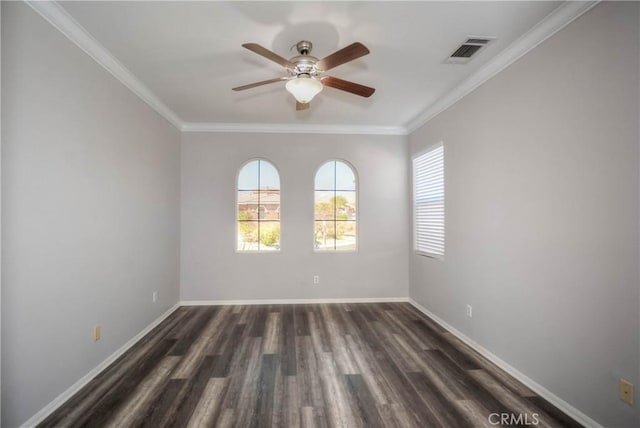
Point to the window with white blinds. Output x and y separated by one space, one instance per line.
428 202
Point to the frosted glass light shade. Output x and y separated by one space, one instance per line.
304 88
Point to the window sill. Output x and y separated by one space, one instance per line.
429 255
258 252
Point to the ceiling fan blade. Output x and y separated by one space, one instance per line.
302 106
264 82
351 52
254 47
345 85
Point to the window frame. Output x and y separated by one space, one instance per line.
357 199
416 250
237 221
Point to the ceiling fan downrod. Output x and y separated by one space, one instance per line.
304 47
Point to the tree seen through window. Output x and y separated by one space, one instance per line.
335 208
258 207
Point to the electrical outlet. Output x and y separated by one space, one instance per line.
626 391
154 298
469 311
97 332
316 279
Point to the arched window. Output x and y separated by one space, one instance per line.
258 207
335 207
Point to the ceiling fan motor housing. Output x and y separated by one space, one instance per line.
305 63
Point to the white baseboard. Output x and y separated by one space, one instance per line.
534 386
531 384
293 301
73 389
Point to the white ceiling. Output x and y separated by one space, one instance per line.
189 55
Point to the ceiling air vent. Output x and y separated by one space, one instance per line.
468 49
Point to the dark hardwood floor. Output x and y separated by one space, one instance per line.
333 365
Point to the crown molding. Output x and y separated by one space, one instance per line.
562 16
284 128
57 16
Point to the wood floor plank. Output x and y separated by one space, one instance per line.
166 403
516 405
401 324
192 330
222 333
365 360
245 312
186 315
193 357
387 415
288 341
209 406
335 332
444 410
446 374
308 373
301 316
422 415
362 400
440 343
278 416
317 327
401 355
343 365
366 330
118 395
273 334
337 406
553 412
395 377
471 388
475 413
82 402
263 412
481 362
144 394
227 419
223 363
244 373
396 415
313 417
258 321
191 393
341 311
290 403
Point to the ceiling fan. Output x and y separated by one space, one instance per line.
305 77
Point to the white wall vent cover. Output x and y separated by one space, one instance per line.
468 49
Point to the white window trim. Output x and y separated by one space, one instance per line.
357 177
238 251
413 199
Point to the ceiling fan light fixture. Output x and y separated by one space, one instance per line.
304 88
304 72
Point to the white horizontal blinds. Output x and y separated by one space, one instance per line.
428 193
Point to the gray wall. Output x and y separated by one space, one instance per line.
542 214
212 270
90 200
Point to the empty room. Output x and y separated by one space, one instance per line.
320 214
